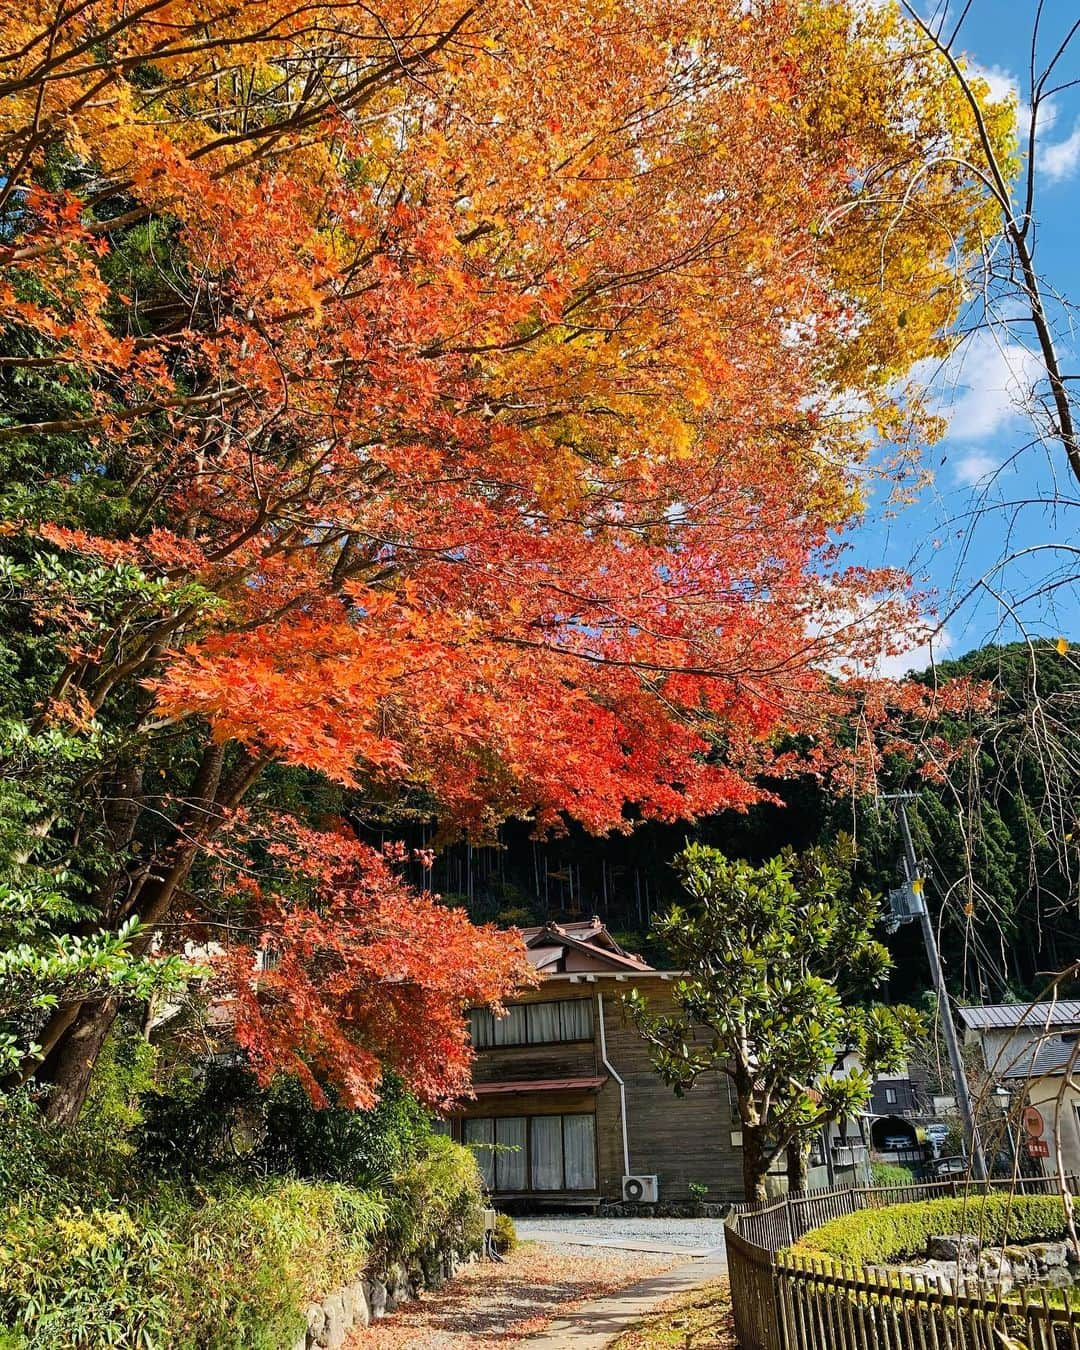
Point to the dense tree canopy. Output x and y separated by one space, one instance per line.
459 399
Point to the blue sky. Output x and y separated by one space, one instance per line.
993 494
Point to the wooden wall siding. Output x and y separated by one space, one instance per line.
567 1059
531 1104
679 1139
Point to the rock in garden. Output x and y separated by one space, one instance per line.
1049 1254
377 1299
358 1296
962 1247
332 1336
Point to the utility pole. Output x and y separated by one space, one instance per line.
916 908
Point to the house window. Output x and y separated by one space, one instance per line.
890 1096
533 1024
535 1153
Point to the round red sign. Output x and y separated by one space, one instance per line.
1033 1122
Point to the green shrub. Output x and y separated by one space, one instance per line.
890 1174
218 1119
91 1159
229 1268
898 1231
24 1164
439 1200
97 1250
506 1238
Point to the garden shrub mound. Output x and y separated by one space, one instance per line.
898 1232
224 1265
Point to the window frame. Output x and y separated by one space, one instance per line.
490 1043
529 1188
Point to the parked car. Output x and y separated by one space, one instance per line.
897 1143
937 1136
944 1169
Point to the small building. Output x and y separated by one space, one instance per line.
1032 1055
566 1103
898 1094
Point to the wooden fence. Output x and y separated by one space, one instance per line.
783 1301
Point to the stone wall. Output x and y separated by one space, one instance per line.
374 1295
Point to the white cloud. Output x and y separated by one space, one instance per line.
1003 84
974 467
1060 161
986 383
917 658
875 636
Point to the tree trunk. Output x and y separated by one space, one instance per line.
69 1065
77 1039
755 1163
798 1160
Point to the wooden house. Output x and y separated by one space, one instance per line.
565 1092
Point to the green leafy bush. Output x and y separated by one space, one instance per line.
91 1159
890 1174
23 1160
506 1238
114 1233
228 1268
218 1119
898 1231
438 1201
219 1266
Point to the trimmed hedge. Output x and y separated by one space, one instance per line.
874 1236
223 1267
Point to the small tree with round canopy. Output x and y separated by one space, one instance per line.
779 961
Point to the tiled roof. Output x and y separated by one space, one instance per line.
591 936
1041 1057
1062 1013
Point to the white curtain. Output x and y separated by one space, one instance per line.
510 1030
546 1141
579 1136
480 1028
510 1166
480 1135
577 1019
543 1023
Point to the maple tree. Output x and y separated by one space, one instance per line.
459 401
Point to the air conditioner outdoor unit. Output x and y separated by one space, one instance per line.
641 1189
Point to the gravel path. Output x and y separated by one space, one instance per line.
681 1237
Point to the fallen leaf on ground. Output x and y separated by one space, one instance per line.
488 1305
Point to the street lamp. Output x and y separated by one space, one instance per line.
1003 1097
